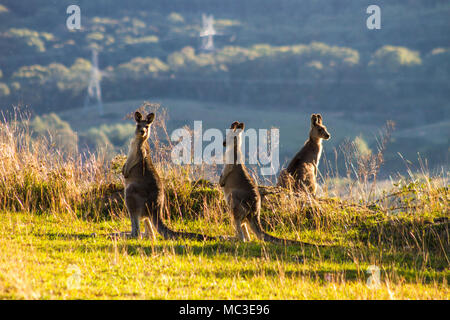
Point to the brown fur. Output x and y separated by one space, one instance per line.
301 173
242 194
144 190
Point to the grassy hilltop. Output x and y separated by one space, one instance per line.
57 210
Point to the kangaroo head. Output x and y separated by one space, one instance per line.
318 130
233 152
236 130
143 125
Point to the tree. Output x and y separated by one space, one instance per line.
56 131
25 41
140 67
394 58
175 18
4 90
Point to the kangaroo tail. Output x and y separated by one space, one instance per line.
265 190
168 233
255 225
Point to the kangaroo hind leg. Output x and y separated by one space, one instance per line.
239 213
239 230
135 208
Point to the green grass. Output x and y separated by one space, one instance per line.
57 210
37 254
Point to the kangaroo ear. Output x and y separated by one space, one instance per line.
137 116
150 117
234 125
313 119
241 126
319 118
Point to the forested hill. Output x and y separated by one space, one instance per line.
315 54
159 39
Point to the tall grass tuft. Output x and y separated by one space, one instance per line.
37 177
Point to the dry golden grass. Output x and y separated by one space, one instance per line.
403 229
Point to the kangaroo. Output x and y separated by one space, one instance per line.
144 190
301 172
241 191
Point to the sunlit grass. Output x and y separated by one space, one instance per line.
37 252
57 211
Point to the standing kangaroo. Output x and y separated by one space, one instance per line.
144 190
241 192
301 172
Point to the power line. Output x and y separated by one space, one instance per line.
94 90
280 81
